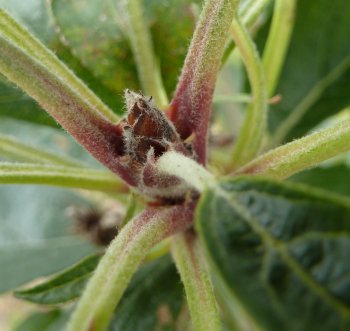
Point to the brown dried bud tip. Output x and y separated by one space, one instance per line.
147 130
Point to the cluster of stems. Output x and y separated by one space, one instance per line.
36 70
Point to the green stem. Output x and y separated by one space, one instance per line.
158 250
251 135
308 101
251 11
178 165
120 262
248 13
38 174
53 91
131 206
277 42
18 151
194 275
301 154
141 44
238 97
13 31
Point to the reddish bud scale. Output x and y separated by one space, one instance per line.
147 134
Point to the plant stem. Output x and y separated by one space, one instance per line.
277 42
83 120
194 275
248 13
16 150
39 174
308 101
238 98
251 135
191 106
301 154
130 212
251 11
141 44
120 262
195 175
13 31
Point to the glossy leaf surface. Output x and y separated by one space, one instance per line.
282 251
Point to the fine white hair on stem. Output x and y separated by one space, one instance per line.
183 167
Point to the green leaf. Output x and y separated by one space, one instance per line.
63 287
36 237
281 251
315 79
95 33
153 300
333 178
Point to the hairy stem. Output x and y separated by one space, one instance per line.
18 151
82 119
249 13
191 107
178 165
120 262
251 135
277 42
39 174
141 43
194 275
301 154
13 31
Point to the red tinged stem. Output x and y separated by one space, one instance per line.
190 108
102 138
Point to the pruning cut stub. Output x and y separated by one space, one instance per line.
147 135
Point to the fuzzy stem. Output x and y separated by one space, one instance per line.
251 135
141 44
301 154
278 42
178 165
13 31
191 107
39 174
53 91
18 151
248 13
194 275
251 11
120 262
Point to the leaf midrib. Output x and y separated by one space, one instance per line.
281 249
